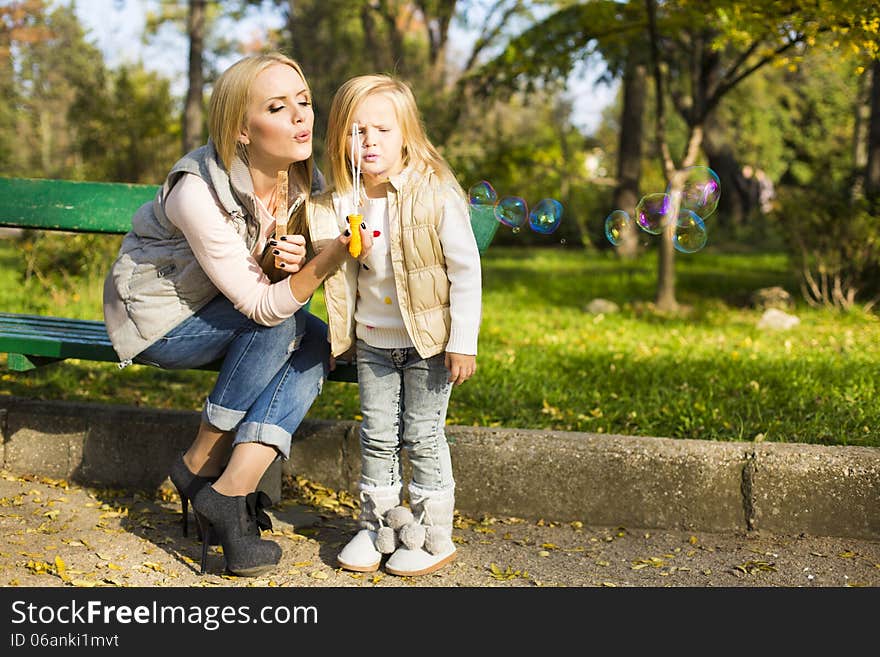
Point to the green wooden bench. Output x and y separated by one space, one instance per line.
31 341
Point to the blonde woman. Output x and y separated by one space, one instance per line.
188 289
410 310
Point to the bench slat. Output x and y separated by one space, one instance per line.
83 207
34 340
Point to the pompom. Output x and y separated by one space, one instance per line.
386 540
413 535
398 517
437 540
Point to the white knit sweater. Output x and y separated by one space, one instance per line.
377 315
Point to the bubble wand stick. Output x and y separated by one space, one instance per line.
354 220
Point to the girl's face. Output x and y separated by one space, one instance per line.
279 119
381 138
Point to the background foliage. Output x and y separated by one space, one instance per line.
781 98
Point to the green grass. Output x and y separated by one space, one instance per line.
544 363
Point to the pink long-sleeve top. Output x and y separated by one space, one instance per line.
220 251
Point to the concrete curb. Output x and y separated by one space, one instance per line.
598 479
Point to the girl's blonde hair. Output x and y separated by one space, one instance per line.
418 150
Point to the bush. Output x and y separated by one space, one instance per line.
834 246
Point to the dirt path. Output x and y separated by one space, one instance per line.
54 534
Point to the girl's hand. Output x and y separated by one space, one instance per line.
461 367
289 251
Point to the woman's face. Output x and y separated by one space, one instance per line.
279 120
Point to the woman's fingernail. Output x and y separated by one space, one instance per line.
283 238
282 265
347 233
273 243
363 225
276 252
346 220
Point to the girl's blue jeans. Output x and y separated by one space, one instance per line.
269 375
404 398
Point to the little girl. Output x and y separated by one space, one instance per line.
409 310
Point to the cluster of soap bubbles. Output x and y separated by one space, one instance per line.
513 211
687 209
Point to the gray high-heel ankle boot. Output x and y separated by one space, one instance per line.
236 522
187 485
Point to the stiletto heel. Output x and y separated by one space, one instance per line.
204 530
184 510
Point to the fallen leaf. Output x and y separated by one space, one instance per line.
61 569
752 567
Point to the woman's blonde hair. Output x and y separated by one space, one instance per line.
227 115
418 150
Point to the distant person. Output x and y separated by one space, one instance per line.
410 311
188 289
766 191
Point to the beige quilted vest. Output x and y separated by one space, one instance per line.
415 203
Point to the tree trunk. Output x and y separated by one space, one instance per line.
872 170
193 111
665 299
629 161
741 193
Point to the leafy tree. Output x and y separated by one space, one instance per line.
699 53
127 128
206 26
46 72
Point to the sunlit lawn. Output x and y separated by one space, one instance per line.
544 362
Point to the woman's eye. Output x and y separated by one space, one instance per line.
275 108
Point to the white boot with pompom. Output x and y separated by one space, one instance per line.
426 541
361 553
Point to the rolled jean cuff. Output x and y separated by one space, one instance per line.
265 434
219 417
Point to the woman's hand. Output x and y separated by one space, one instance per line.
290 252
461 367
366 239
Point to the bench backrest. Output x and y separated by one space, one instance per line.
107 207
85 207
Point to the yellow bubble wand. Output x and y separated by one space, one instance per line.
354 220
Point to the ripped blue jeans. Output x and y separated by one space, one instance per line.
404 398
269 377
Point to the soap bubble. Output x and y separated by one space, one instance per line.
511 211
690 232
482 194
616 226
700 192
654 212
545 216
